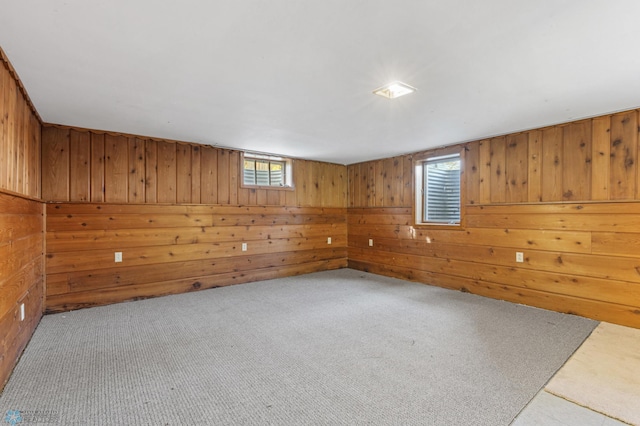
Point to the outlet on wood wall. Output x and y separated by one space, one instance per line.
566 196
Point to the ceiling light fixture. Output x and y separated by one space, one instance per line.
394 90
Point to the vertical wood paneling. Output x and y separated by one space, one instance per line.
33 186
137 170
243 197
97 168
22 219
600 158
379 182
129 169
253 197
576 168
351 171
151 172
300 171
534 168
20 168
4 114
234 175
363 196
261 198
209 177
624 154
498 181
292 196
324 182
516 168
273 197
55 164
484 154
10 160
223 176
183 173
368 195
472 166
395 185
314 176
195 174
166 172
552 164
116 150
407 176
80 165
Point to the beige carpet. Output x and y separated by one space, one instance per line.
604 373
332 348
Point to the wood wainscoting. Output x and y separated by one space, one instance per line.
21 219
21 276
578 258
168 249
566 196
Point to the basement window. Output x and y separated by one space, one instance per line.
266 171
438 190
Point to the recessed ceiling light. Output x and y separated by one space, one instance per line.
394 90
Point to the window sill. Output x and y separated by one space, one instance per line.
277 188
439 226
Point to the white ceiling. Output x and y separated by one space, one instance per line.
295 77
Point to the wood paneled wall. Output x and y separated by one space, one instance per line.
21 219
93 166
21 277
381 183
179 215
566 196
180 248
19 136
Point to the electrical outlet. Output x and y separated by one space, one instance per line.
370 242
244 246
328 240
519 257
118 257
22 312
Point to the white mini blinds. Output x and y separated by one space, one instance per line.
438 197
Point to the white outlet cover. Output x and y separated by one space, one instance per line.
118 257
370 242
328 240
519 257
244 246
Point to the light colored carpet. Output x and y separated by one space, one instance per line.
604 374
338 347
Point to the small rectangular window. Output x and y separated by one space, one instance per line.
263 170
438 190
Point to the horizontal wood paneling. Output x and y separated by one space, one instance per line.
21 275
177 248
600 278
88 165
21 219
566 196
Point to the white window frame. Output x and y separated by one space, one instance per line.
288 170
419 187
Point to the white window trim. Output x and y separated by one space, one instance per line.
288 170
418 183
